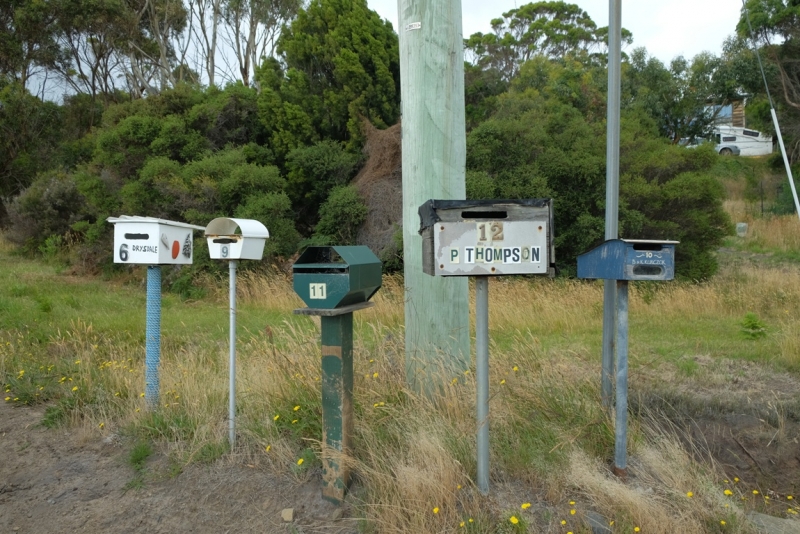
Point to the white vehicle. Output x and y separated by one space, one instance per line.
749 142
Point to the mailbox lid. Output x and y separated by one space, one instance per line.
227 226
152 241
434 210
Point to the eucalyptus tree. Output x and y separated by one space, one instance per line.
549 29
253 27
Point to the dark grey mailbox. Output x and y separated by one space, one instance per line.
629 259
487 237
338 276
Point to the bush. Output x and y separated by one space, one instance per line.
47 208
341 216
314 171
274 211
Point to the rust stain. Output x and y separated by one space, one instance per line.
332 350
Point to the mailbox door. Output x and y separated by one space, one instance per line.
649 262
152 244
321 285
490 247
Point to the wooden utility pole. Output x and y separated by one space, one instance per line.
434 161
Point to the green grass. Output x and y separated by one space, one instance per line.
77 346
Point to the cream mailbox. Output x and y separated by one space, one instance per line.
151 241
225 244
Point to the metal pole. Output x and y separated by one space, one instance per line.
232 366
621 424
612 188
772 111
482 378
785 161
153 336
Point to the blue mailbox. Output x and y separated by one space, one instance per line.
629 259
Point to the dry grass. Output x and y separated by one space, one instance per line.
550 438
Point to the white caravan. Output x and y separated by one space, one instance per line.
749 142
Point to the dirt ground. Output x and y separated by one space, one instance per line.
61 480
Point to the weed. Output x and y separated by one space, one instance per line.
753 327
139 454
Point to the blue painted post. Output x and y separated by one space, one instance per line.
621 426
153 333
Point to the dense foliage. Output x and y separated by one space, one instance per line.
141 134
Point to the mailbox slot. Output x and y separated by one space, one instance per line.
484 214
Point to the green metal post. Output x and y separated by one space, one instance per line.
337 404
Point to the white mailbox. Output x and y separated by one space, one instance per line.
151 241
225 244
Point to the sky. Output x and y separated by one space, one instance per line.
667 29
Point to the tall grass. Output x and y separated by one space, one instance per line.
550 439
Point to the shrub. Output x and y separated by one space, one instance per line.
341 216
47 208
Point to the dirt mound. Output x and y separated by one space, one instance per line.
79 481
380 185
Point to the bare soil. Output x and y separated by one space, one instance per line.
72 480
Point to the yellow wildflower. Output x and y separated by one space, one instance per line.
436 510
525 505
300 461
513 519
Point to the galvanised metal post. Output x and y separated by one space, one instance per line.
612 188
232 364
153 336
482 378
337 403
621 425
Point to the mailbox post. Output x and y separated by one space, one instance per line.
334 282
624 260
481 239
152 242
224 243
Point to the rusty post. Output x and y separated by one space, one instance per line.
337 404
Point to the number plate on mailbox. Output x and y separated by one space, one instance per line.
488 247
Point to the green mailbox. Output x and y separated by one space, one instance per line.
334 282
336 277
